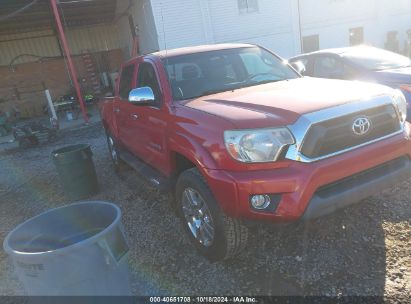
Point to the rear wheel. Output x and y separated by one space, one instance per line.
215 235
114 153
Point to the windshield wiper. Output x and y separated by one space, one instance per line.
246 85
252 84
232 88
268 81
211 92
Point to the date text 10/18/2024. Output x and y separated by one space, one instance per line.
203 300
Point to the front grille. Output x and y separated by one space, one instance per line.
334 135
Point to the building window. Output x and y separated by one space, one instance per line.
356 36
392 43
248 6
311 43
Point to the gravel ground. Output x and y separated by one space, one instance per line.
364 250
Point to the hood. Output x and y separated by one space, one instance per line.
282 103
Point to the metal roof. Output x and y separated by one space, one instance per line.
39 17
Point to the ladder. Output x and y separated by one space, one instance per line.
92 73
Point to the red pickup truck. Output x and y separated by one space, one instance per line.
238 135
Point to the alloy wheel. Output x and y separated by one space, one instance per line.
198 217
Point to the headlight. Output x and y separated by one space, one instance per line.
405 87
401 104
257 146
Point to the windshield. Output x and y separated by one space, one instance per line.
376 59
207 73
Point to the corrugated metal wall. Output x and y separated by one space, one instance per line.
94 39
12 46
101 38
192 22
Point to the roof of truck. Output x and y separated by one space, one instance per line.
199 49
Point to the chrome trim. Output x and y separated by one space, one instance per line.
141 96
361 126
301 127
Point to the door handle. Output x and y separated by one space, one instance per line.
134 116
116 110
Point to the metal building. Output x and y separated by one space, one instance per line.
101 34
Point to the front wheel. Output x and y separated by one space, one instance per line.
215 235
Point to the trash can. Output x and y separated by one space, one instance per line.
3 125
77 250
76 171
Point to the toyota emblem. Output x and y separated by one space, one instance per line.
361 126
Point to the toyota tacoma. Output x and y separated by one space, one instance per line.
238 136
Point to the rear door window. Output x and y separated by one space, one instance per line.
328 67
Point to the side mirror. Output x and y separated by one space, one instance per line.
298 66
141 96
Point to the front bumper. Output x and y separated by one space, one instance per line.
310 190
355 188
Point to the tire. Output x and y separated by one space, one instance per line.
118 164
227 238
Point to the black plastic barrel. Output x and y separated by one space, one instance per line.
76 170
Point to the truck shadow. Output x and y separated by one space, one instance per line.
342 254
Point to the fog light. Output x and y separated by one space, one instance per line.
260 202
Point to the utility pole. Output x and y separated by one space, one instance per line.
300 27
69 60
